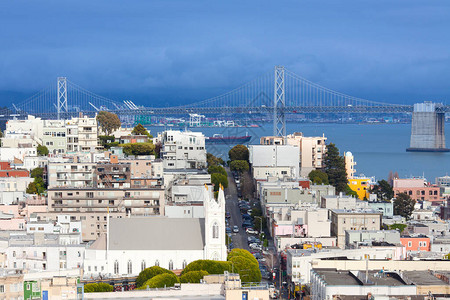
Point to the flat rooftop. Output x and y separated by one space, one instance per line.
423 278
335 277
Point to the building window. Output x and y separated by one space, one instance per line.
409 244
116 267
184 264
130 267
143 265
215 231
2 288
424 243
170 265
157 263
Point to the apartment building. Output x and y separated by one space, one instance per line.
417 189
54 136
362 219
312 149
73 173
182 149
40 252
280 161
82 134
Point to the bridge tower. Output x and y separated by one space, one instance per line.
279 118
428 128
62 96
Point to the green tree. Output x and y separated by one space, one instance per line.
239 152
239 166
399 227
335 168
404 205
160 281
447 257
100 287
32 189
217 169
37 172
217 179
42 150
318 177
108 141
245 264
348 191
193 276
139 129
138 149
38 186
108 122
383 190
212 160
149 273
210 266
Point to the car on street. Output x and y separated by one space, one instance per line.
228 230
252 239
255 246
246 224
251 231
235 229
227 215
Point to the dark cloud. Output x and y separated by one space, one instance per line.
179 51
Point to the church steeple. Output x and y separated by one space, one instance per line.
215 247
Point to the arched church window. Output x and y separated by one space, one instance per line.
171 265
184 264
130 267
215 231
157 263
143 265
116 267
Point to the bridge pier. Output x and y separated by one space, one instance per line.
428 128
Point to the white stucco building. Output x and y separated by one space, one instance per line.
182 149
278 161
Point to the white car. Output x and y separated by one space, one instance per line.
235 229
251 231
255 246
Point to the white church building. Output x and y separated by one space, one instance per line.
135 243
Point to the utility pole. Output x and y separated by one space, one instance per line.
279 105
62 96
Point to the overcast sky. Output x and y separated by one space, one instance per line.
155 52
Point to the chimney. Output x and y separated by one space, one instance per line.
114 159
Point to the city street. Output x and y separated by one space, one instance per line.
231 206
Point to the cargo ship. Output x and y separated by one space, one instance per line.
220 139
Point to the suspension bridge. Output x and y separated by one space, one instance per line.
278 92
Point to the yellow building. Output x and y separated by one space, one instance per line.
361 186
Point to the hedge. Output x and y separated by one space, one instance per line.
97 287
160 281
149 273
210 266
193 276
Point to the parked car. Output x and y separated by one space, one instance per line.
251 231
246 225
235 229
255 246
227 215
249 211
228 230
